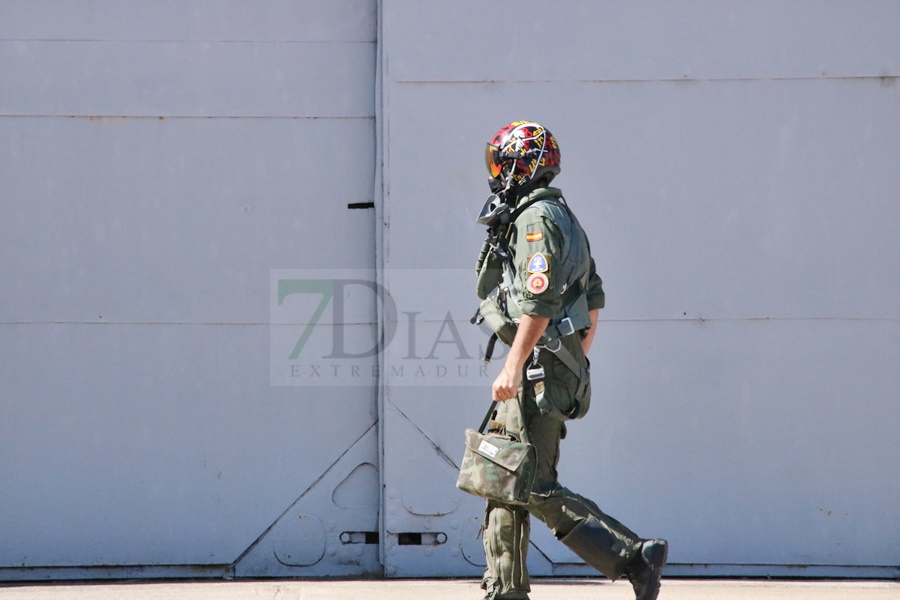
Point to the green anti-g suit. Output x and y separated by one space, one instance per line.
550 274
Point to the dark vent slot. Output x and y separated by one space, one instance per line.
409 539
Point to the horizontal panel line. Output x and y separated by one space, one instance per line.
134 571
753 319
873 77
784 565
705 320
201 323
434 321
195 117
183 41
437 321
195 323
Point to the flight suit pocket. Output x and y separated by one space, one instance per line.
555 399
565 395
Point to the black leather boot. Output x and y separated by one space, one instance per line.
645 569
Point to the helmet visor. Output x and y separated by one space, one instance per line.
492 160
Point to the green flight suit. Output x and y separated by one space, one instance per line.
553 275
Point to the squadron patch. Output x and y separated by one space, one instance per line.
538 264
537 283
534 237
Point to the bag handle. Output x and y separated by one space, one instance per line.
487 417
490 413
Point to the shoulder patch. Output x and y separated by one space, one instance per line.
538 264
537 283
534 237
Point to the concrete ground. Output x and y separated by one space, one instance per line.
452 589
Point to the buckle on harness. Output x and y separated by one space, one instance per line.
565 327
535 372
553 350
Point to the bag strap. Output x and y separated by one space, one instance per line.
487 417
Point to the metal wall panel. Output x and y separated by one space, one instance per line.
137 444
158 162
279 21
203 58
748 442
640 41
733 166
744 199
163 165
116 78
105 207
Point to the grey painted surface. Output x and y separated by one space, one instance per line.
734 166
164 165
157 163
643 41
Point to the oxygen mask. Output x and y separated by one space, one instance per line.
495 212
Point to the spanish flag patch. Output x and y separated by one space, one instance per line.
534 237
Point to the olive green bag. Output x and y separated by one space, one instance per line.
497 467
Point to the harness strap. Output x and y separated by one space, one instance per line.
554 345
489 351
